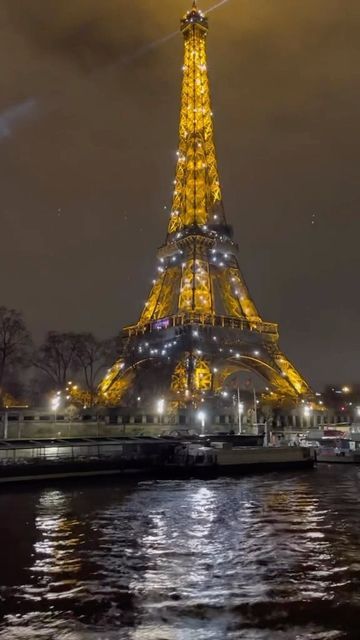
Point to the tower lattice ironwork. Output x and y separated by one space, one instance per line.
199 324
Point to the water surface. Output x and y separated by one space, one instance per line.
266 557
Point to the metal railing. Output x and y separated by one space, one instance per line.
242 324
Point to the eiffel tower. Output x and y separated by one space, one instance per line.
199 324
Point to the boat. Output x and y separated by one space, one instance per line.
60 458
335 450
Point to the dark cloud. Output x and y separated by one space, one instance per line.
88 32
85 182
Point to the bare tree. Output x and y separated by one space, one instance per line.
15 342
92 357
56 357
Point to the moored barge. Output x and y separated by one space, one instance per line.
29 460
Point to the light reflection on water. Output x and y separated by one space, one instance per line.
56 560
273 557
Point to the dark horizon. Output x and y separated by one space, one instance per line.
88 137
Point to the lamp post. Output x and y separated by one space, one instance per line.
55 403
5 424
357 415
255 406
240 406
160 408
202 419
307 415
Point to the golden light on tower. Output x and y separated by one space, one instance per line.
199 293
197 193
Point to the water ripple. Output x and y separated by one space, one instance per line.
273 557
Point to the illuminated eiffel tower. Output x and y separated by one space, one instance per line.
199 324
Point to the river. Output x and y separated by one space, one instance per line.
263 557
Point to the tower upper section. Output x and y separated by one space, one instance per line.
197 199
192 17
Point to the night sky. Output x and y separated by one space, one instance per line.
88 135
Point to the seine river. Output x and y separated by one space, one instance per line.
267 557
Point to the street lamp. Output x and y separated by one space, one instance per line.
202 418
55 403
307 414
240 413
160 406
240 409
